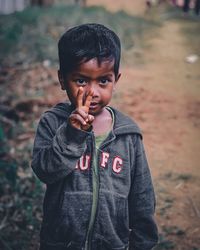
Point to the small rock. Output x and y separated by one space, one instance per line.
46 63
192 58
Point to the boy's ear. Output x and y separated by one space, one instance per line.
117 78
61 80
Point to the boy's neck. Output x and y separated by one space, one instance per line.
102 123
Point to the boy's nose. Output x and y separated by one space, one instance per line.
94 88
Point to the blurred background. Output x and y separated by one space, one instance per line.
159 89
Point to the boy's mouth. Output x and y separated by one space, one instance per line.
93 105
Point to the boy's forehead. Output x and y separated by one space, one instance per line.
96 65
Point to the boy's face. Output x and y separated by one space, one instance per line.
91 75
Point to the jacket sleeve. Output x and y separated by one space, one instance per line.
56 149
143 229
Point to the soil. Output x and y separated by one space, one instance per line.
163 96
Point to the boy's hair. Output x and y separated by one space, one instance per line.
85 42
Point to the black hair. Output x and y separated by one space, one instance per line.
85 42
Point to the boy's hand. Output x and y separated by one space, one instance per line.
80 118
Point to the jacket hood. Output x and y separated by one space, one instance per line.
123 124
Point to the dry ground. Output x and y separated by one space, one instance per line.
163 96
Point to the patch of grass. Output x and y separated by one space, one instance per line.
167 203
177 177
191 31
173 230
32 35
11 28
190 25
164 243
20 214
184 177
20 193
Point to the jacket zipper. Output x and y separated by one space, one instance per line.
95 182
95 187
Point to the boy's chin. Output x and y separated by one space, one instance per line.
95 112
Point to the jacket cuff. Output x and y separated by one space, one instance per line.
71 135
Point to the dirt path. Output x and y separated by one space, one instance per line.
175 150
163 97
132 7
162 94
169 92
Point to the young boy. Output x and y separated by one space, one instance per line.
99 192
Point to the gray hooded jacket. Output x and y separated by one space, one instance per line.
111 209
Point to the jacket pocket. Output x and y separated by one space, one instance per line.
102 244
60 246
112 221
71 221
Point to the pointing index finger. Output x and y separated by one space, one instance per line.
88 100
79 98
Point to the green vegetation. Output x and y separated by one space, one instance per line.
20 193
26 38
164 244
32 35
191 31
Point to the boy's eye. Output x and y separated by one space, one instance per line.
104 81
81 82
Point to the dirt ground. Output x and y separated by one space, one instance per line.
132 7
163 96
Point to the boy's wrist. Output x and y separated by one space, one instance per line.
69 135
76 134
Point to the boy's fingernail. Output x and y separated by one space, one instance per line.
91 117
